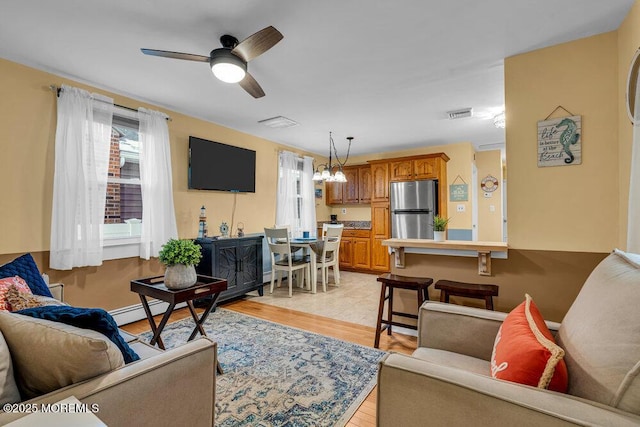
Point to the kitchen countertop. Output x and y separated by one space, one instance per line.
350 225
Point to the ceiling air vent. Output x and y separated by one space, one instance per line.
460 114
278 122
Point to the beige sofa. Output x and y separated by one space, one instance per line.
447 379
165 388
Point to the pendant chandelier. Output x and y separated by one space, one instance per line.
327 173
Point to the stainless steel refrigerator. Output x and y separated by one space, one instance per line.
413 206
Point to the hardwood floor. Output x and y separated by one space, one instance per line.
359 334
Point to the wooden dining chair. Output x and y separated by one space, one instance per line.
329 258
282 258
326 226
295 251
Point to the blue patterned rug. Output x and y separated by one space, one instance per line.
276 375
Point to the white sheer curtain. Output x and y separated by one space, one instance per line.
633 219
158 214
286 197
307 190
83 138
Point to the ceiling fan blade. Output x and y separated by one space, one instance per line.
175 55
251 85
257 44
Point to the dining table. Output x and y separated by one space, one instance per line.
313 247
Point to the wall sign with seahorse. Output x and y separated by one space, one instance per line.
560 141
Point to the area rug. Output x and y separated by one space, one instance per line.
277 375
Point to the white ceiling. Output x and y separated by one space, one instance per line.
384 72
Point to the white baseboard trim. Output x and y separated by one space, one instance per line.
133 313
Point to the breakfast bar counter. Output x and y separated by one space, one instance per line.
483 250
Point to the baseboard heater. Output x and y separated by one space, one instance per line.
133 313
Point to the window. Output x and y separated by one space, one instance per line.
295 201
123 206
298 177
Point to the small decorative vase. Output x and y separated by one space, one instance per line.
180 276
439 236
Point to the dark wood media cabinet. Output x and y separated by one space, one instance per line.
237 260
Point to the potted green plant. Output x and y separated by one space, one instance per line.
439 228
180 256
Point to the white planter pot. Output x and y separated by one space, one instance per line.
180 276
439 236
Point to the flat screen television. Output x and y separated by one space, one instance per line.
222 167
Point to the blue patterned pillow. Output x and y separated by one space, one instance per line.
87 318
26 268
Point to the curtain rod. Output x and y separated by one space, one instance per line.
58 89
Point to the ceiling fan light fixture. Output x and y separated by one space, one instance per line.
226 66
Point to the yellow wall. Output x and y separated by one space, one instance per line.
572 208
490 220
628 42
27 139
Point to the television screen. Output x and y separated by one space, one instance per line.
216 166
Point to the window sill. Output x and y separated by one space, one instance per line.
120 248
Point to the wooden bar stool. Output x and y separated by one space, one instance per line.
469 290
390 282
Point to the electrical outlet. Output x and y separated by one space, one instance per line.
343 210
460 208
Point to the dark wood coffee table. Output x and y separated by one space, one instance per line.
154 287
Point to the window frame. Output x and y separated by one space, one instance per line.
124 246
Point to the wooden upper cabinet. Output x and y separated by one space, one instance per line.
350 188
425 168
380 184
417 167
364 184
401 170
356 190
334 193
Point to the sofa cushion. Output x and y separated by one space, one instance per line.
26 267
453 360
525 352
49 355
20 299
601 335
88 318
6 284
8 389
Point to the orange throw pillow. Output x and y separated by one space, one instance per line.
7 283
525 351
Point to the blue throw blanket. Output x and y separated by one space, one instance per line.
96 319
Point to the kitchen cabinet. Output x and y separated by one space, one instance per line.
380 182
423 167
357 189
428 166
350 194
334 193
238 260
364 184
401 170
379 231
355 249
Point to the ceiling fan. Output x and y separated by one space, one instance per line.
229 63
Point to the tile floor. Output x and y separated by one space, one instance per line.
355 300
